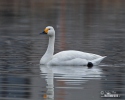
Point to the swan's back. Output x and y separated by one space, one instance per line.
72 54
75 58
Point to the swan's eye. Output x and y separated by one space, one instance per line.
49 29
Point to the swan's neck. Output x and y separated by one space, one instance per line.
50 48
49 52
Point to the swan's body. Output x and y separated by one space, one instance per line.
69 57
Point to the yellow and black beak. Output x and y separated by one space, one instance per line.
45 31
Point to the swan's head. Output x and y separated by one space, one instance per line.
49 30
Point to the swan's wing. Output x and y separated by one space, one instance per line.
72 54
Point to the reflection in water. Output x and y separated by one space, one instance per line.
49 77
72 77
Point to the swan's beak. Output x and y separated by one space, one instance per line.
43 32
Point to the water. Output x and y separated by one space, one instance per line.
95 26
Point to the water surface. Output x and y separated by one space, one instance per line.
95 26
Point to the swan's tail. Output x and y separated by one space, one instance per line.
97 61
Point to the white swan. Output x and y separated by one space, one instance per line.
69 57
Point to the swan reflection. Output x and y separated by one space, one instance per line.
71 76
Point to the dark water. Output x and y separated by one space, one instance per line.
96 26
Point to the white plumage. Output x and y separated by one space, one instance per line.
69 57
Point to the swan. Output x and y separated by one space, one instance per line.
68 57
